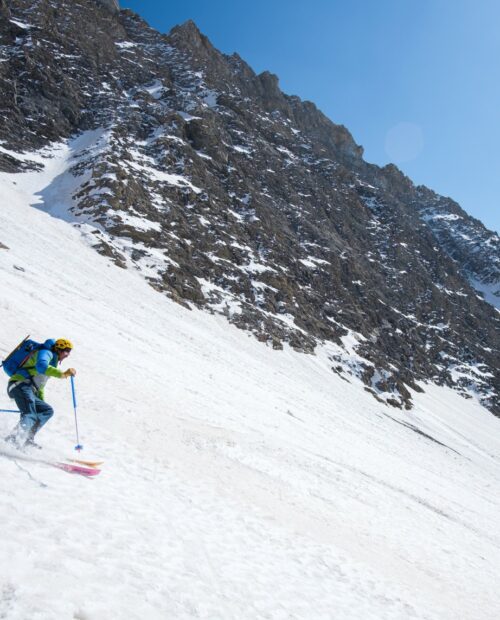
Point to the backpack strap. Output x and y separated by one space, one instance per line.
22 369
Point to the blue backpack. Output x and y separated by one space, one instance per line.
13 362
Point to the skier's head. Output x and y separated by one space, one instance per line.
63 348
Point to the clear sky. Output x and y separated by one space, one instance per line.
417 82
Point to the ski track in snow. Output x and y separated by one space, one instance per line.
239 482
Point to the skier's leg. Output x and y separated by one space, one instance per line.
25 400
44 412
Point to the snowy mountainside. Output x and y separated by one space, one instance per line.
229 195
239 481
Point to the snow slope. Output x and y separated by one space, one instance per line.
240 482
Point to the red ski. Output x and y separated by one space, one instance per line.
77 469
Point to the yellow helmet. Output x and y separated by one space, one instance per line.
63 343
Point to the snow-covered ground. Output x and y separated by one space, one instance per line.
239 482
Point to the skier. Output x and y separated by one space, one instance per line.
27 386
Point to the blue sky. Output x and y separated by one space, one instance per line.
416 82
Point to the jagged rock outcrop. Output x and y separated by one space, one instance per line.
228 194
110 5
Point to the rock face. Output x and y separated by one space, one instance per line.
110 5
229 195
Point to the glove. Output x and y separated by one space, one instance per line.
71 372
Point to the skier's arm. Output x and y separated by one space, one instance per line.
43 366
54 372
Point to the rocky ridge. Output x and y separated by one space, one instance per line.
230 195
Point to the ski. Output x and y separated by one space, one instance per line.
86 463
14 350
76 469
68 467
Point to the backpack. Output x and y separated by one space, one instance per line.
13 362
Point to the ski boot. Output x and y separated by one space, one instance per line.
31 443
13 440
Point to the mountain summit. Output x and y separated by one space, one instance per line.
230 195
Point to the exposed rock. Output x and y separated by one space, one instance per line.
111 5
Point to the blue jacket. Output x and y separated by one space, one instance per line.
41 365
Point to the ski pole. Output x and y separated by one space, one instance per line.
9 411
78 445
